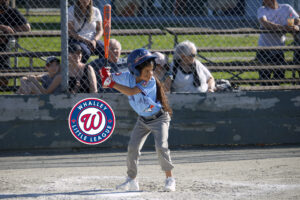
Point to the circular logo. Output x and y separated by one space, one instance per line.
91 121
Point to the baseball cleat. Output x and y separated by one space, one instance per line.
129 185
170 184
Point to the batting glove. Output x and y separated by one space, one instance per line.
108 82
106 79
104 72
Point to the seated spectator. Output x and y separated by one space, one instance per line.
85 28
274 16
113 59
162 70
11 21
82 77
296 59
51 82
189 74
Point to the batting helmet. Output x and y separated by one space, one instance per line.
138 57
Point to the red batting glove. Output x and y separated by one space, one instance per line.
104 72
106 78
108 82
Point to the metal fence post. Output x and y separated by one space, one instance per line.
64 43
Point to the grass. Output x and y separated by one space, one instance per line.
159 42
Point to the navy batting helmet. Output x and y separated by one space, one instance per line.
138 57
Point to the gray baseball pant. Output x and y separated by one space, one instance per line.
160 129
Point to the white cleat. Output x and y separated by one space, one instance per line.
129 185
170 184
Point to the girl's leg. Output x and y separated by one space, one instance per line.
26 86
160 129
136 142
168 173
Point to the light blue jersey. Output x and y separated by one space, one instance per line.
144 103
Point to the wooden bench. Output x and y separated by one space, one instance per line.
236 71
207 31
114 32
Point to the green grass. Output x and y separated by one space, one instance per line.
43 19
159 42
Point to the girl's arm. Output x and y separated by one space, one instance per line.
39 77
76 36
108 82
126 90
99 30
93 80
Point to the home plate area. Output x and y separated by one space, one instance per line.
212 174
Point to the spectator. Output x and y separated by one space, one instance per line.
11 21
129 8
85 28
101 3
189 74
113 59
189 8
162 70
82 77
274 16
51 82
296 60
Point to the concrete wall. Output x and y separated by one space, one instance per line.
273 117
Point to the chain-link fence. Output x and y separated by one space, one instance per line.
238 42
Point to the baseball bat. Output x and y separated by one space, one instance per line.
106 30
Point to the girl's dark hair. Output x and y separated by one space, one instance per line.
162 98
160 92
79 15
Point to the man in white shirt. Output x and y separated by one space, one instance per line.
274 16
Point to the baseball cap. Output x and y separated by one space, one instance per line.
73 48
52 59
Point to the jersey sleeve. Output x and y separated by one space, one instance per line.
122 78
147 87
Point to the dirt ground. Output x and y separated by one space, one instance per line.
201 173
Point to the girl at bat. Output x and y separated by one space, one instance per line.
147 98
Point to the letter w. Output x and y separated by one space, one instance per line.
85 119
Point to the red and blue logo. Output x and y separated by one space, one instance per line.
92 121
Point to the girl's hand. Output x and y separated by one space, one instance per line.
106 79
91 44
